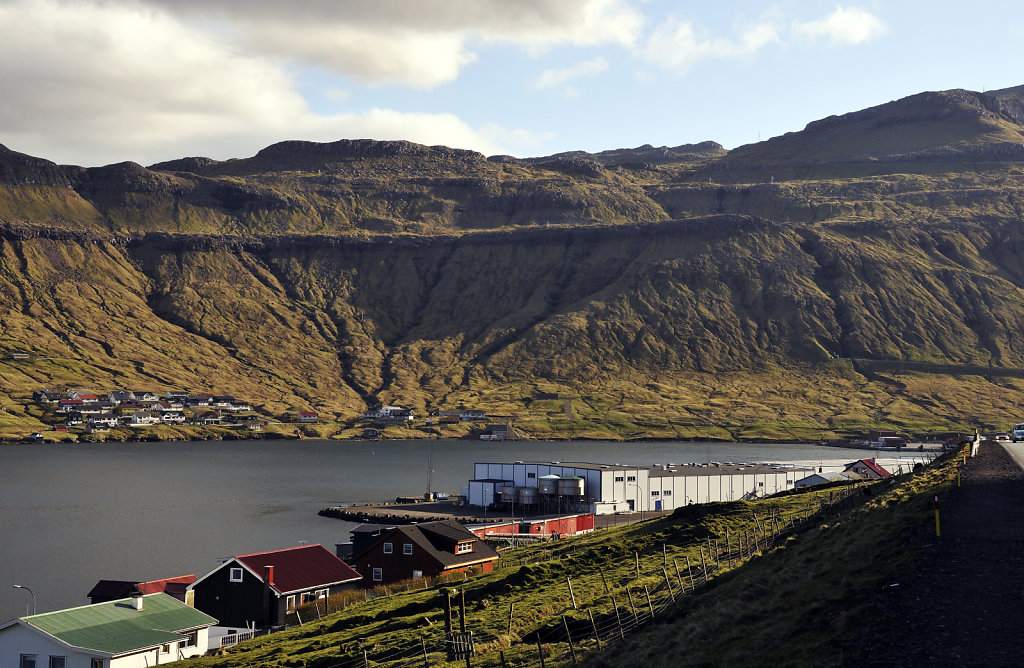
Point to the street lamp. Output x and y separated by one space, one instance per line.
29 591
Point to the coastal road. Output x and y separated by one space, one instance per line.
1016 451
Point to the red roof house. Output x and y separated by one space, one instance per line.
112 590
257 589
422 550
867 468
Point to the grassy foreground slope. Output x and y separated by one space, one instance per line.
811 587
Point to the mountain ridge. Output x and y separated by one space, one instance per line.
671 292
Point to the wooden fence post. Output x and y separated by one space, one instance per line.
593 625
568 636
703 565
636 618
571 595
664 555
618 618
668 583
637 555
604 581
540 650
511 609
462 610
689 571
649 604
423 646
447 611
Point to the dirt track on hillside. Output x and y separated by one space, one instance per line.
962 602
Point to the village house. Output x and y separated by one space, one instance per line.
389 415
111 590
471 415
825 478
256 590
140 630
420 550
143 418
120 397
308 417
867 468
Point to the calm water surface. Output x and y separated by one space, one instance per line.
71 515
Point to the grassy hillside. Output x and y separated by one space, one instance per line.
664 293
798 566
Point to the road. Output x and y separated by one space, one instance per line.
961 603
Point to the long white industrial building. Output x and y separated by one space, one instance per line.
612 488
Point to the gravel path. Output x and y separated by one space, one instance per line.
962 603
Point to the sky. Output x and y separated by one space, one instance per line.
94 82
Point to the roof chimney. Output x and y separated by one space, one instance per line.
136 595
268 575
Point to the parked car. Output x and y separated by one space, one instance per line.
1017 434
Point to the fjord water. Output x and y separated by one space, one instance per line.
71 515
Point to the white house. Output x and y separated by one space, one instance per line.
127 633
394 414
611 488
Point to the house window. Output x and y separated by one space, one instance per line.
531 475
236 575
96 663
631 478
27 661
389 548
618 478
667 492
378 575
289 602
192 640
417 574
407 548
305 598
462 548
58 661
321 593
654 492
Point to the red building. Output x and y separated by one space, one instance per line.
422 550
554 527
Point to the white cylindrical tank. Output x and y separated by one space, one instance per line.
570 486
527 495
509 494
548 484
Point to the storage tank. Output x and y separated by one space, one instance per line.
570 486
509 494
527 495
548 484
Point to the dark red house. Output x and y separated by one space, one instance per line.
112 590
422 550
257 589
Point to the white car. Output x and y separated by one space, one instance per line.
1003 438
1017 433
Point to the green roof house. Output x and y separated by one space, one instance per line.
137 631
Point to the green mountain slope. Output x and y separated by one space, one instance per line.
656 302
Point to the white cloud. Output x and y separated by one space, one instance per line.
556 78
676 45
101 82
843 27
422 43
